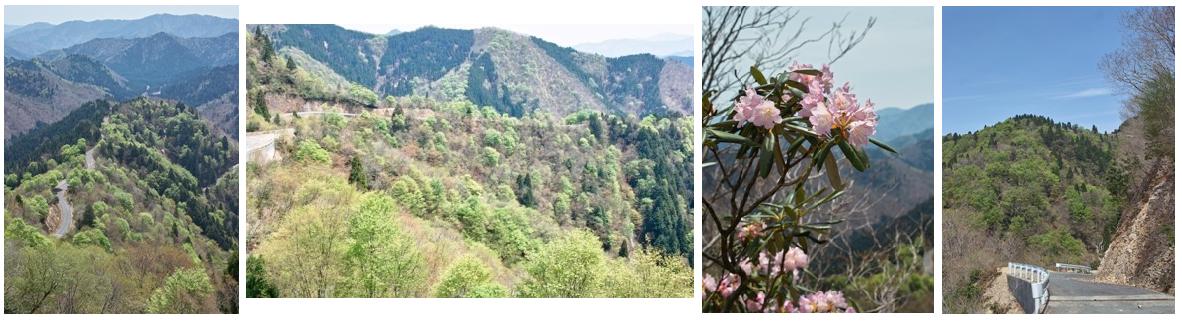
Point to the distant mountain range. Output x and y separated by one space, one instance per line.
896 122
661 46
900 185
199 71
33 39
517 74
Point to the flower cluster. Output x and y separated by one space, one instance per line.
827 109
727 286
824 302
817 302
791 260
751 231
757 110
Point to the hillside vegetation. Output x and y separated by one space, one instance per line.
419 196
155 218
1040 191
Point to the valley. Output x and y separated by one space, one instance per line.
121 166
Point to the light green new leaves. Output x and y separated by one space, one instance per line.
187 290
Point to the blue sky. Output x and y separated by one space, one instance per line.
23 15
1003 61
894 64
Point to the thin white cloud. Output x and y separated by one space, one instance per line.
1091 92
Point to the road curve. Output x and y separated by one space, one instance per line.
67 211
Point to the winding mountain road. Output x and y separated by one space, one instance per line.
63 204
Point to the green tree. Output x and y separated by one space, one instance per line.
257 285
380 261
357 173
310 152
570 266
468 277
186 291
37 206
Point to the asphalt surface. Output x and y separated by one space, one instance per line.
1079 294
67 211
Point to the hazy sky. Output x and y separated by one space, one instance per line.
893 66
1004 61
565 35
23 15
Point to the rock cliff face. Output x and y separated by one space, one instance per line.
1142 251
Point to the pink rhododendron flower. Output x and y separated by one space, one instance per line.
748 103
709 284
747 267
766 115
756 304
823 302
825 81
795 258
751 231
787 307
728 285
841 111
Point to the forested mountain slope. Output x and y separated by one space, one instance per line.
446 188
34 39
1038 191
514 73
201 72
153 196
34 94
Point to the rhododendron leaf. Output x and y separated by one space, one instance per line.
798 196
830 197
796 128
813 72
766 156
729 137
707 106
831 172
851 155
755 73
865 158
797 85
883 146
783 166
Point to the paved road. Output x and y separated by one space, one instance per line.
90 157
63 204
254 141
1079 293
67 211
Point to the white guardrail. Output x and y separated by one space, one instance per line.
1033 298
1074 268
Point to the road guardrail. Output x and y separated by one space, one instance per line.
1028 283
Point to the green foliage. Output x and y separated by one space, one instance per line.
647 273
363 95
37 206
1057 243
490 157
309 151
468 277
570 266
1156 104
357 174
93 237
257 285
18 230
186 291
381 261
